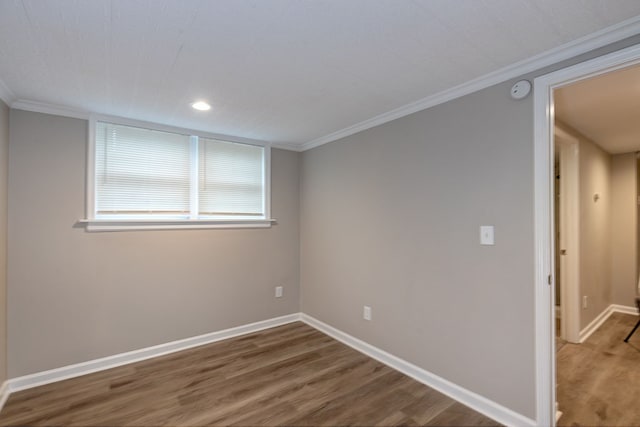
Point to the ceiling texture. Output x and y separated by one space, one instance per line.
295 73
604 108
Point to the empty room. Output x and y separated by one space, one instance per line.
288 212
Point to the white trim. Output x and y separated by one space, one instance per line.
71 371
64 111
90 198
570 233
166 224
544 322
194 165
4 394
6 94
602 317
625 309
593 326
475 401
479 403
174 129
266 177
543 119
45 108
579 46
192 221
287 146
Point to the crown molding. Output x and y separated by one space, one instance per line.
287 146
611 34
6 94
61 110
43 107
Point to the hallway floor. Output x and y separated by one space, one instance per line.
599 380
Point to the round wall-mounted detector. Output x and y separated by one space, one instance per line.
521 89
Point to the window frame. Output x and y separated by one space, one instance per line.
124 224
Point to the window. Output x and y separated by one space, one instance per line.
150 178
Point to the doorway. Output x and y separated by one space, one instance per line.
544 121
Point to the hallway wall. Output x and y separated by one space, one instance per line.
595 220
624 233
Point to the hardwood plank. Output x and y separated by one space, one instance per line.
427 407
289 375
599 380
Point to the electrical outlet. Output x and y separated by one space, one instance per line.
366 313
585 301
279 291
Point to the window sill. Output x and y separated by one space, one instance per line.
169 224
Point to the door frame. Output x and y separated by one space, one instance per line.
569 219
543 216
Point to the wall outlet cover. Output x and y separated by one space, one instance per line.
487 235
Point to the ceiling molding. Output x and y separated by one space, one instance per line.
56 110
614 33
6 94
620 31
287 146
60 110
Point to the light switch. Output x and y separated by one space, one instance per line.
486 235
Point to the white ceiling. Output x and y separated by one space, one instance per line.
605 108
291 72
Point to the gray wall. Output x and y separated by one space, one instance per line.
624 233
77 296
595 226
390 219
4 158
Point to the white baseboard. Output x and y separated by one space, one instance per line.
65 372
595 324
626 309
473 400
4 394
602 317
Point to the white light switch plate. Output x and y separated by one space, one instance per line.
486 235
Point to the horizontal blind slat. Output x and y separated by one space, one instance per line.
141 170
231 178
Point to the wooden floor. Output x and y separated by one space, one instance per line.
290 375
599 380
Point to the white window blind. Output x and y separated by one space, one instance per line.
231 179
142 173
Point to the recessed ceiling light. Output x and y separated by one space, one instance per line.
201 105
